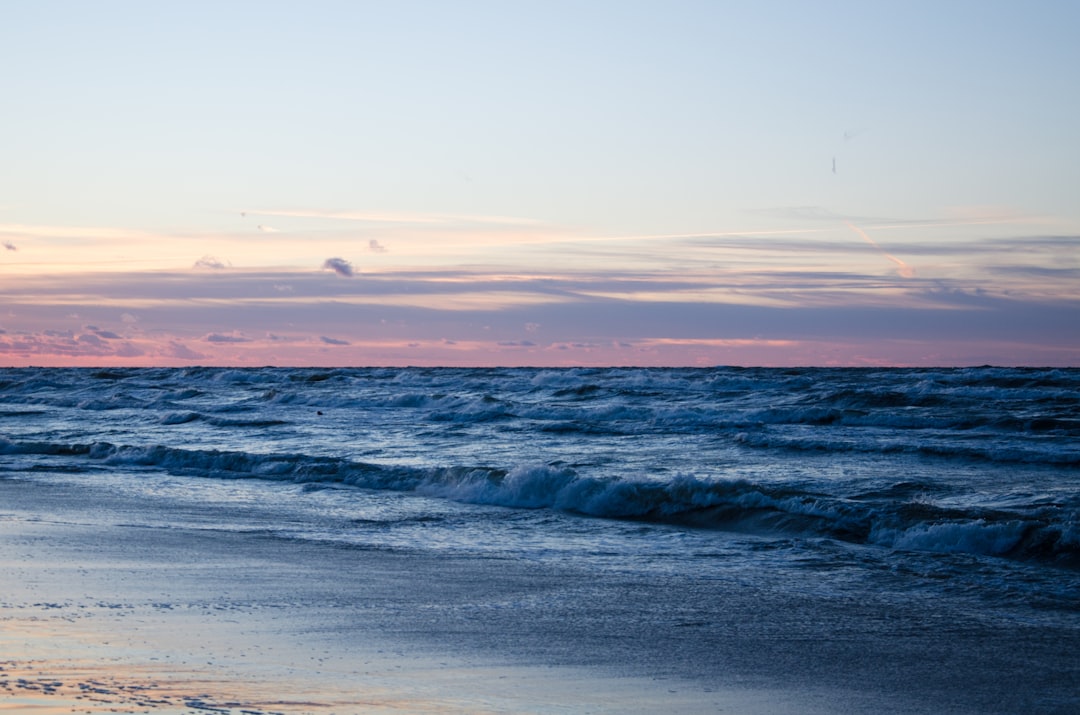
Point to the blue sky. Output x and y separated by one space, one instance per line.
540 183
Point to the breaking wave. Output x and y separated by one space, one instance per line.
903 516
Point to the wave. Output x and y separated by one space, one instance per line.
998 400
900 516
181 418
944 446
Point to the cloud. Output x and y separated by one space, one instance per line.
404 218
56 347
180 351
127 350
1017 295
376 247
905 270
339 266
219 338
77 233
10 246
211 262
818 215
1044 272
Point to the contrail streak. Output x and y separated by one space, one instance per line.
905 270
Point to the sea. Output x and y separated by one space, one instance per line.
956 486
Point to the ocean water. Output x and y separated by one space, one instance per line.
937 486
629 468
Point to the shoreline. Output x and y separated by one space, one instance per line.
108 606
107 617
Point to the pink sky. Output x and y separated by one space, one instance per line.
607 183
823 294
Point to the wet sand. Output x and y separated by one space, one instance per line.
108 606
99 615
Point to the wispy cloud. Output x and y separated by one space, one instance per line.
219 338
51 347
398 217
816 216
10 246
781 299
90 233
905 270
376 247
180 351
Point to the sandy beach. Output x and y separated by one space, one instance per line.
103 614
108 607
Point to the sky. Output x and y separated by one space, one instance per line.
338 183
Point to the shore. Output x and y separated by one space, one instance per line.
103 614
107 606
